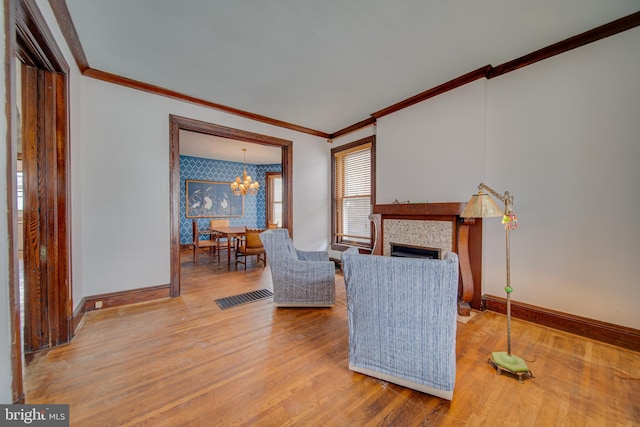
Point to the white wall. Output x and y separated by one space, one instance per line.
563 136
125 184
435 150
354 136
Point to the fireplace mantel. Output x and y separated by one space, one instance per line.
466 241
421 209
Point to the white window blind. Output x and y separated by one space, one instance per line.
353 195
275 210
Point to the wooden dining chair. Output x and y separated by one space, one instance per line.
199 244
249 245
221 242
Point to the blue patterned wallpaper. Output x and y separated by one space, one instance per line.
218 170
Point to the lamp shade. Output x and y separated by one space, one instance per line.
481 205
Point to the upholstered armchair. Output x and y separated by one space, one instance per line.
300 278
402 319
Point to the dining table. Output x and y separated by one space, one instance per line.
230 233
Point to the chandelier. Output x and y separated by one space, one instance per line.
242 186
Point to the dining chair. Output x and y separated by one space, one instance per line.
198 244
249 245
221 242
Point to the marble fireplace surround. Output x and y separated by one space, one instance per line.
424 233
436 225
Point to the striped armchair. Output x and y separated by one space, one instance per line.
300 278
402 319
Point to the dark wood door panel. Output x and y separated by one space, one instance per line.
47 297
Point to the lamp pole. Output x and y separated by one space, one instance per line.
507 199
501 360
508 289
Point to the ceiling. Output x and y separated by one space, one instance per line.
320 64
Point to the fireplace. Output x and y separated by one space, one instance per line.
418 233
434 225
411 251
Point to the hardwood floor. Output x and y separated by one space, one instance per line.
183 361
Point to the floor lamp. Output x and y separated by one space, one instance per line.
481 205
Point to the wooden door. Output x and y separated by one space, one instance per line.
47 304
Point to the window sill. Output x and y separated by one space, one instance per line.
343 247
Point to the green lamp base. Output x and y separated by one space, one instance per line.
503 361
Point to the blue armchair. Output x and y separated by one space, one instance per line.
300 278
402 319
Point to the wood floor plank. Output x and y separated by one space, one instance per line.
183 361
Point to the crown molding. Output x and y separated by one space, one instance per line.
62 15
607 30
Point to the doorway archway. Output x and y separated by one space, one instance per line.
176 124
38 135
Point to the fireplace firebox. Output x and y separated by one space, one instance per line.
411 251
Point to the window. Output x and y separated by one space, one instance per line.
274 198
353 192
20 193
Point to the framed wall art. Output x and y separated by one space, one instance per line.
208 199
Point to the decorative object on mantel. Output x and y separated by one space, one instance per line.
481 205
244 185
397 202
